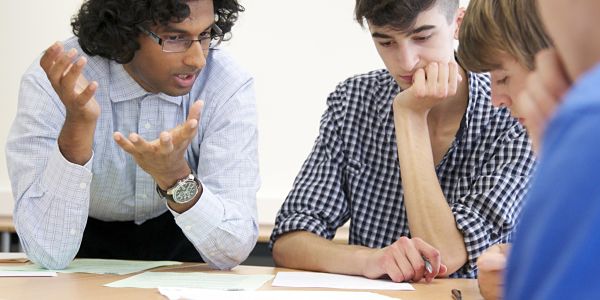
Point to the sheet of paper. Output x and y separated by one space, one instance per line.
336 281
98 266
27 274
18 257
193 280
193 294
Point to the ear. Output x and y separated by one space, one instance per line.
460 15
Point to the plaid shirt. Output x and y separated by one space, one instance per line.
353 171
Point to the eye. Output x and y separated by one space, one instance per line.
422 38
503 80
385 44
174 37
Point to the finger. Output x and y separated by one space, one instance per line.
432 255
491 262
393 270
453 78
419 83
69 79
540 96
166 143
195 110
552 71
87 94
140 144
416 261
124 143
57 71
432 78
532 117
50 55
442 84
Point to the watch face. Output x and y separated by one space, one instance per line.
185 192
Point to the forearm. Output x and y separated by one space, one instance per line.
429 215
76 140
51 214
307 251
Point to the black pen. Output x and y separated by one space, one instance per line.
456 294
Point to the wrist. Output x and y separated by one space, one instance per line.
168 179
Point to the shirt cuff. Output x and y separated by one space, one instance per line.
61 177
198 222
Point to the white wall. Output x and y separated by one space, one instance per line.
297 50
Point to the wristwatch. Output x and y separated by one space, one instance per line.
184 190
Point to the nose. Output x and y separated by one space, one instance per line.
407 58
195 56
499 98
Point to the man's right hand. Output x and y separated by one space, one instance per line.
77 95
404 260
65 75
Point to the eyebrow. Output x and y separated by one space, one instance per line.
169 28
410 32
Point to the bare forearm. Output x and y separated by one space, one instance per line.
307 251
76 140
429 215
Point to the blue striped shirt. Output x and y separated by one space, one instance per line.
53 197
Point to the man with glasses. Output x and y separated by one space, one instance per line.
155 157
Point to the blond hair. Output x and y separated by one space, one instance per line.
491 27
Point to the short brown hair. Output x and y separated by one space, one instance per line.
491 27
400 15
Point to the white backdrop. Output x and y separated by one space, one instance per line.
297 51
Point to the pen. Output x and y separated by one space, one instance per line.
456 294
428 267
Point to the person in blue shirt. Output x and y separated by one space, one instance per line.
137 139
554 255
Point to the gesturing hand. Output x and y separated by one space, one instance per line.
164 158
65 75
404 261
431 85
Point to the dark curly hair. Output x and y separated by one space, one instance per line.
110 28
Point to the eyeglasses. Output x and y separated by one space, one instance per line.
207 40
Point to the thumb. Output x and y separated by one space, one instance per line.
195 110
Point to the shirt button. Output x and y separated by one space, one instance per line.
82 185
148 125
72 232
188 227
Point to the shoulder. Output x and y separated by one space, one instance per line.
222 74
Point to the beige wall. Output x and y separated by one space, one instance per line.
297 54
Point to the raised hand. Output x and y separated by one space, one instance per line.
431 85
544 91
65 75
164 158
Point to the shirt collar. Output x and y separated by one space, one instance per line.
123 87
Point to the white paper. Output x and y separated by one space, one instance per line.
27 274
200 280
13 257
336 281
193 294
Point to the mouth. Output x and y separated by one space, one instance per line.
186 80
406 78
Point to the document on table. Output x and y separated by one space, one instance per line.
152 280
336 281
193 294
97 266
27 274
13 257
